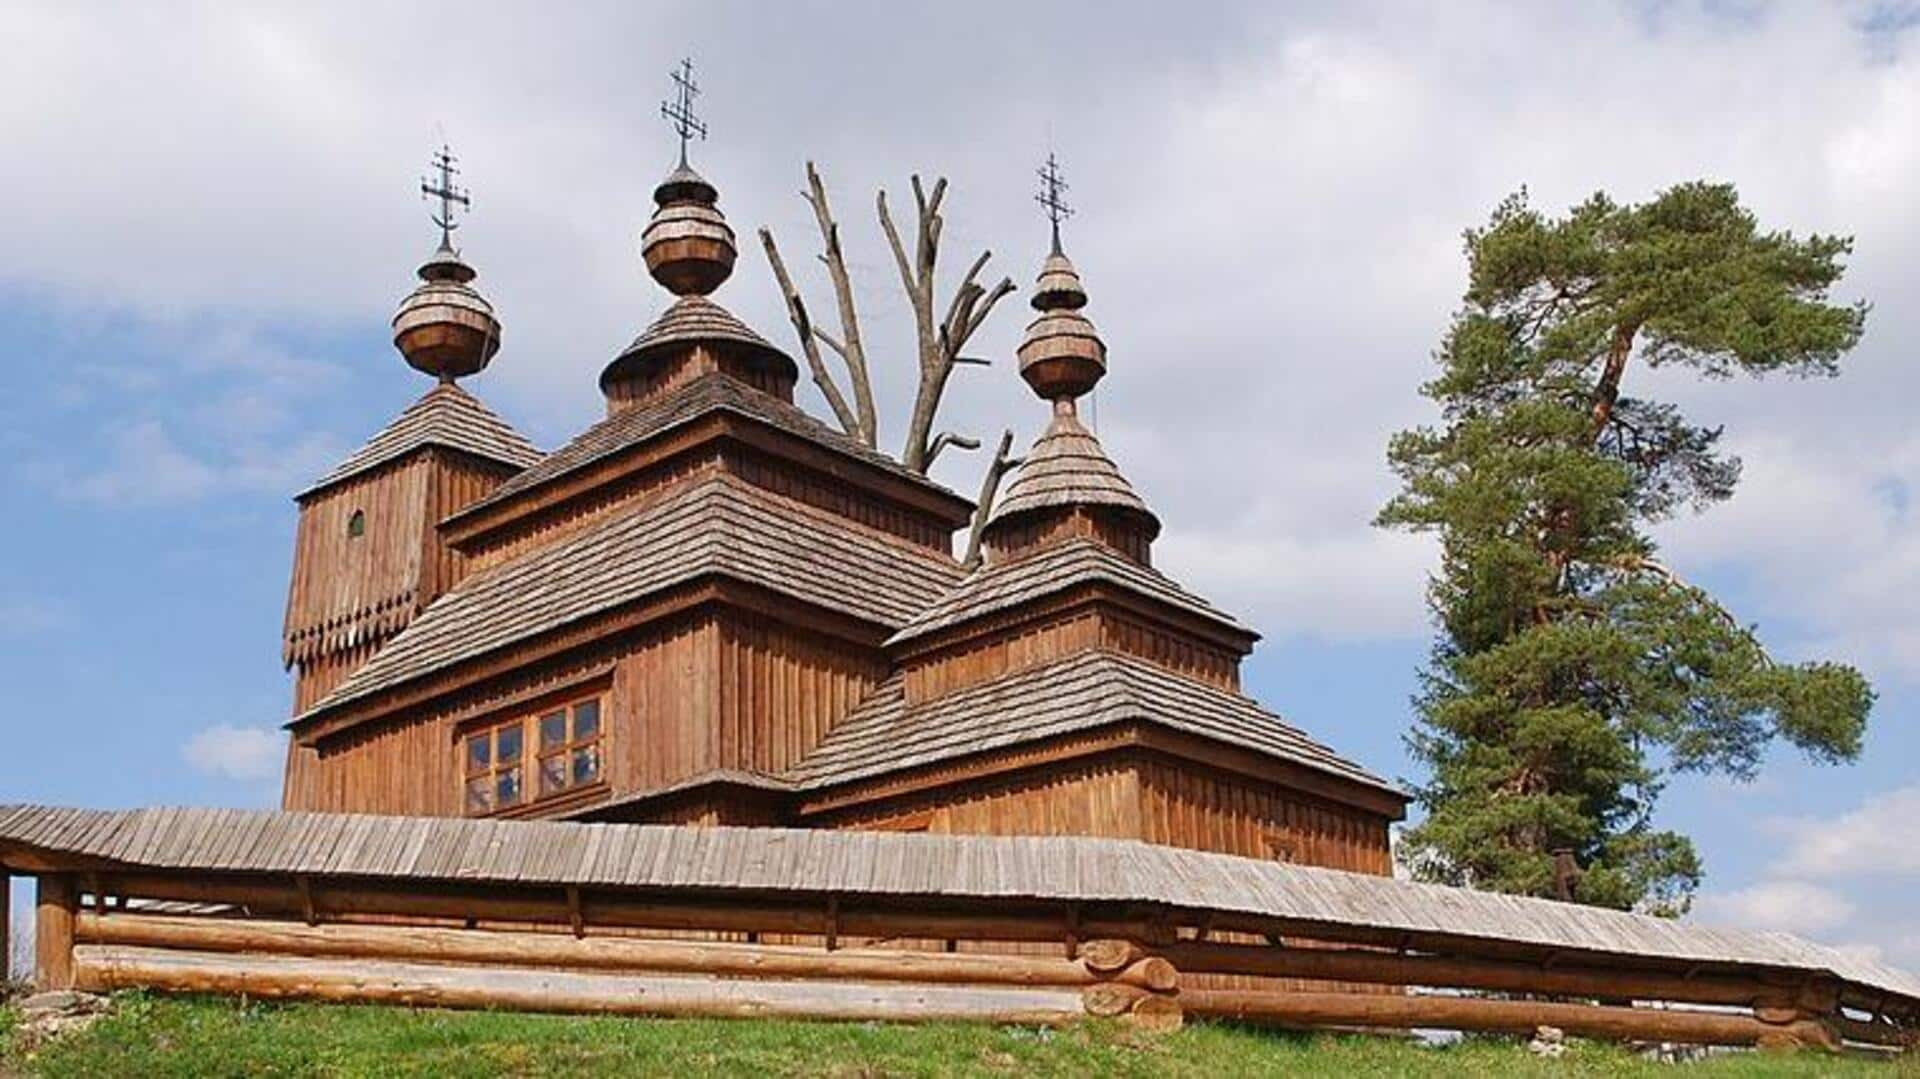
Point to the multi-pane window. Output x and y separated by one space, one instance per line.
532 757
569 747
495 768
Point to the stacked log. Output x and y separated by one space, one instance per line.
1310 1010
563 973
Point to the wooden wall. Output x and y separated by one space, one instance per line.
1133 794
345 589
350 594
729 691
996 647
458 481
411 764
1130 538
1187 805
657 379
1094 798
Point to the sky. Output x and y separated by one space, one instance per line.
212 211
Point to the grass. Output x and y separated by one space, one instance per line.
155 1036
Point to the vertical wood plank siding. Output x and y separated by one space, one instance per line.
1093 799
350 594
1004 646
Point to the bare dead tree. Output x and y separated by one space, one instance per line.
859 420
940 343
989 490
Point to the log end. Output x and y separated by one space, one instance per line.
1108 956
1157 1014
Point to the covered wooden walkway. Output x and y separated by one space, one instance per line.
576 916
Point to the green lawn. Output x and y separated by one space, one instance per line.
152 1036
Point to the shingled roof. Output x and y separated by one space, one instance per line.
446 416
1084 691
713 392
696 319
1067 466
1051 570
820 863
720 526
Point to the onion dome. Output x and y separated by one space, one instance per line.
1062 357
688 245
445 327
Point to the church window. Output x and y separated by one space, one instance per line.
357 524
560 747
569 747
495 767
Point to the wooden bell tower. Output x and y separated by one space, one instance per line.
367 553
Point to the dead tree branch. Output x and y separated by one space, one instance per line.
859 419
997 469
940 342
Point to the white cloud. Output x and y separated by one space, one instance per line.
1866 869
242 753
1270 207
1793 906
1872 840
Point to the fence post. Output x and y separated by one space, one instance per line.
6 927
53 931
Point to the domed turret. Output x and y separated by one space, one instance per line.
1062 357
445 327
688 245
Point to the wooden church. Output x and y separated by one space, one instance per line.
711 608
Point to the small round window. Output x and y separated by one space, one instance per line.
357 524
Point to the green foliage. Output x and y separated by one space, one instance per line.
1574 671
155 1036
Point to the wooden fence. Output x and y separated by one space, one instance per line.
664 953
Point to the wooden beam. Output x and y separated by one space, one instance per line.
6 926
53 931
1313 1010
334 902
626 954
103 968
1454 972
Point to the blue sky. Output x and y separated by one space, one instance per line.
209 228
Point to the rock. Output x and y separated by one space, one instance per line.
45 1016
61 1002
1548 1042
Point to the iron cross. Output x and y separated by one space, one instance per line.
1052 187
441 187
679 111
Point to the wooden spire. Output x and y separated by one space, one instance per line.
1067 486
445 327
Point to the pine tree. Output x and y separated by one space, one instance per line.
1574 671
